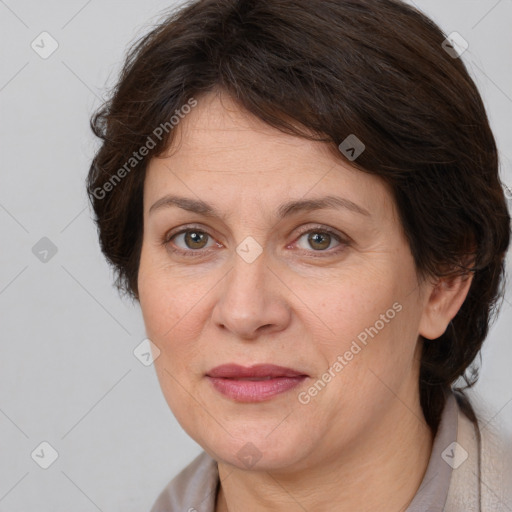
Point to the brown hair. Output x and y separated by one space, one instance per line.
326 69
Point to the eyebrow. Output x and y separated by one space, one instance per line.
284 210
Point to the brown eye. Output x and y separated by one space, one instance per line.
320 241
195 239
189 240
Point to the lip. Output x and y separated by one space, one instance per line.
254 384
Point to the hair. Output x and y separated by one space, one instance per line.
323 70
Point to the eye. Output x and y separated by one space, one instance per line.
320 240
188 241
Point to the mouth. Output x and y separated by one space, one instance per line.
257 383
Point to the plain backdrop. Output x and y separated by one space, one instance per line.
68 373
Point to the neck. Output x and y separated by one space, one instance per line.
386 465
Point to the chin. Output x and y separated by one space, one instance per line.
251 447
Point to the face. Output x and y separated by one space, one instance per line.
249 265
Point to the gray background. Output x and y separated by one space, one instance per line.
67 369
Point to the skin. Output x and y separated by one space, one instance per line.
362 440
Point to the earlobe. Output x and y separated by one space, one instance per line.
445 298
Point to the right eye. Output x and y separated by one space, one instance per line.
189 242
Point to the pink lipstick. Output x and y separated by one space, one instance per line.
254 384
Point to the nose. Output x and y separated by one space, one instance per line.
252 300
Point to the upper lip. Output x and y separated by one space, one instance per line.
233 371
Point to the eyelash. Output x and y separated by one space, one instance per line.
193 253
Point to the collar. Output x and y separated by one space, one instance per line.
433 491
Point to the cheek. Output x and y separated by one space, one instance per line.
165 301
372 322
354 305
174 313
171 324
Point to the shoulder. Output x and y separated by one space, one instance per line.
496 460
194 489
482 477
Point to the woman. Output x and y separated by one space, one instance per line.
303 196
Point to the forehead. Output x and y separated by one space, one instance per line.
223 153
219 130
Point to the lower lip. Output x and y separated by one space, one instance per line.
255 390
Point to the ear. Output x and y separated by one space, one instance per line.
445 298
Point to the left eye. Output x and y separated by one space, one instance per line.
319 240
